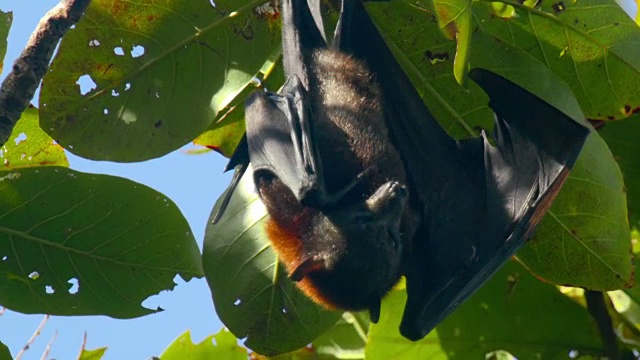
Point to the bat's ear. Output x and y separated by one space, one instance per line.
307 265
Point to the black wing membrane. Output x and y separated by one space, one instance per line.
481 203
279 138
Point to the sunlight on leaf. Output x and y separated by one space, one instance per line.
29 146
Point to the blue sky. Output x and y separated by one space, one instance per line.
193 182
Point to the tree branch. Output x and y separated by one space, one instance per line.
47 350
33 337
18 88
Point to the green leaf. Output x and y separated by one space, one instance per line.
222 346
346 339
454 17
252 294
623 138
29 146
5 354
591 44
95 354
5 24
225 133
83 244
413 35
584 239
162 71
513 312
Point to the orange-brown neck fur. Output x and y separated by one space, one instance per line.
288 246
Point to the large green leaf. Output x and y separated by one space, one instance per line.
79 244
591 44
584 239
623 138
345 340
222 346
513 312
5 24
413 35
29 146
162 70
251 291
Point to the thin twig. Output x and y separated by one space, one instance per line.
33 337
84 345
597 307
18 88
47 350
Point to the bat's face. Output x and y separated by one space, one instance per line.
353 254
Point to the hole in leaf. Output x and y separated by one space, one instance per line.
34 275
118 50
213 3
20 138
127 86
94 43
128 116
564 51
558 7
49 289
237 302
5 258
86 84
573 354
75 286
137 51
114 93
106 111
157 95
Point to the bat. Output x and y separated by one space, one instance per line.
362 185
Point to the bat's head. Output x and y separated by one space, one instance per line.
352 255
